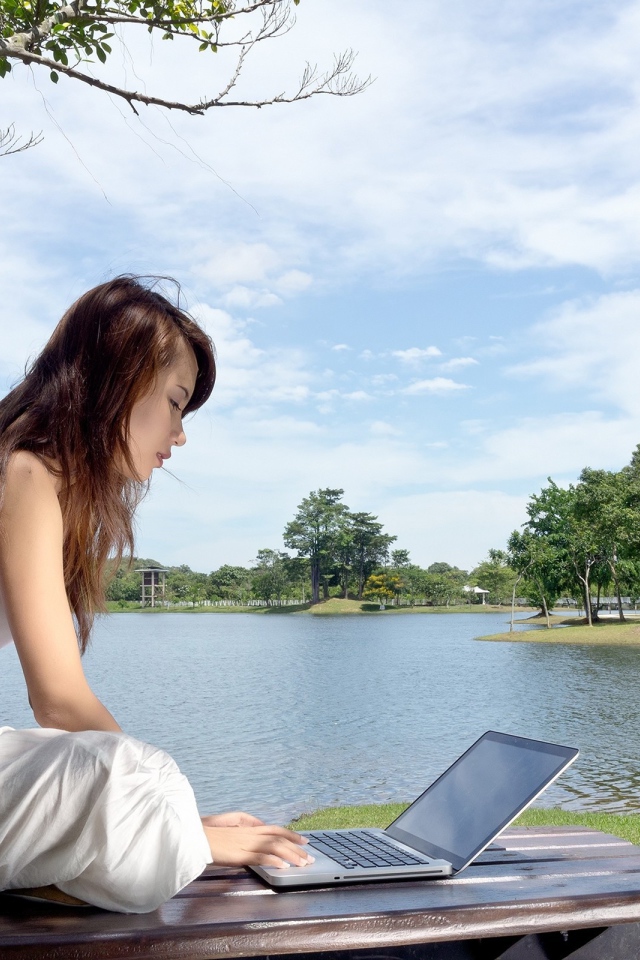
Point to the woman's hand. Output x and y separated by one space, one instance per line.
239 840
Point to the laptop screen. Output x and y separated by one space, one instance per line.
459 814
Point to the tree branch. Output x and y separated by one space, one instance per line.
41 31
281 24
30 39
86 35
333 82
10 142
214 21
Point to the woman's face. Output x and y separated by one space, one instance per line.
156 420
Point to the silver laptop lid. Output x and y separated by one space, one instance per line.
479 795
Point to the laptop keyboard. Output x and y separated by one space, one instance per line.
360 848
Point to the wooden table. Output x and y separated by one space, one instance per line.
544 892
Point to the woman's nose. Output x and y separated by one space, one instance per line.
181 438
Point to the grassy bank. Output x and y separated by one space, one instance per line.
573 630
332 607
333 818
335 605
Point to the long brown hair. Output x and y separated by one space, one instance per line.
72 410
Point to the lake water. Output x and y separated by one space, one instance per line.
281 714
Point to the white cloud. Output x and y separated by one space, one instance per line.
293 281
475 426
437 386
518 150
415 355
245 297
340 346
29 309
509 141
380 428
593 345
248 374
458 363
358 395
239 263
455 527
555 445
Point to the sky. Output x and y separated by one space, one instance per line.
427 294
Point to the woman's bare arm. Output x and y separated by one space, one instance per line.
35 600
33 593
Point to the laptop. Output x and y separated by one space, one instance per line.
446 828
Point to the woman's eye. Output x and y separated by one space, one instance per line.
175 405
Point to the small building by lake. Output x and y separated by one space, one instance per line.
153 586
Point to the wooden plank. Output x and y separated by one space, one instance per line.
361 916
233 913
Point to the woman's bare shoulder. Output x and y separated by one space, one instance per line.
26 471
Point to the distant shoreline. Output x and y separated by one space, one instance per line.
566 630
331 607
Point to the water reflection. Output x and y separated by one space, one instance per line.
281 714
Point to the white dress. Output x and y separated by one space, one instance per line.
106 818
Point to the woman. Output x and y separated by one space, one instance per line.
102 816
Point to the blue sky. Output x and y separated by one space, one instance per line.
427 294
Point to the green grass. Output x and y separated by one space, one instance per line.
337 818
336 605
603 632
380 815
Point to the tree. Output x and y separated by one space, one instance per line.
400 559
440 589
197 587
314 533
609 504
125 585
455 574
370 546
538 564
382 587
494 575
269 575
298 573
553 514
228 583
178 585
63 36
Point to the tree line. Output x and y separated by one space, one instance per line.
338 552
582 541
